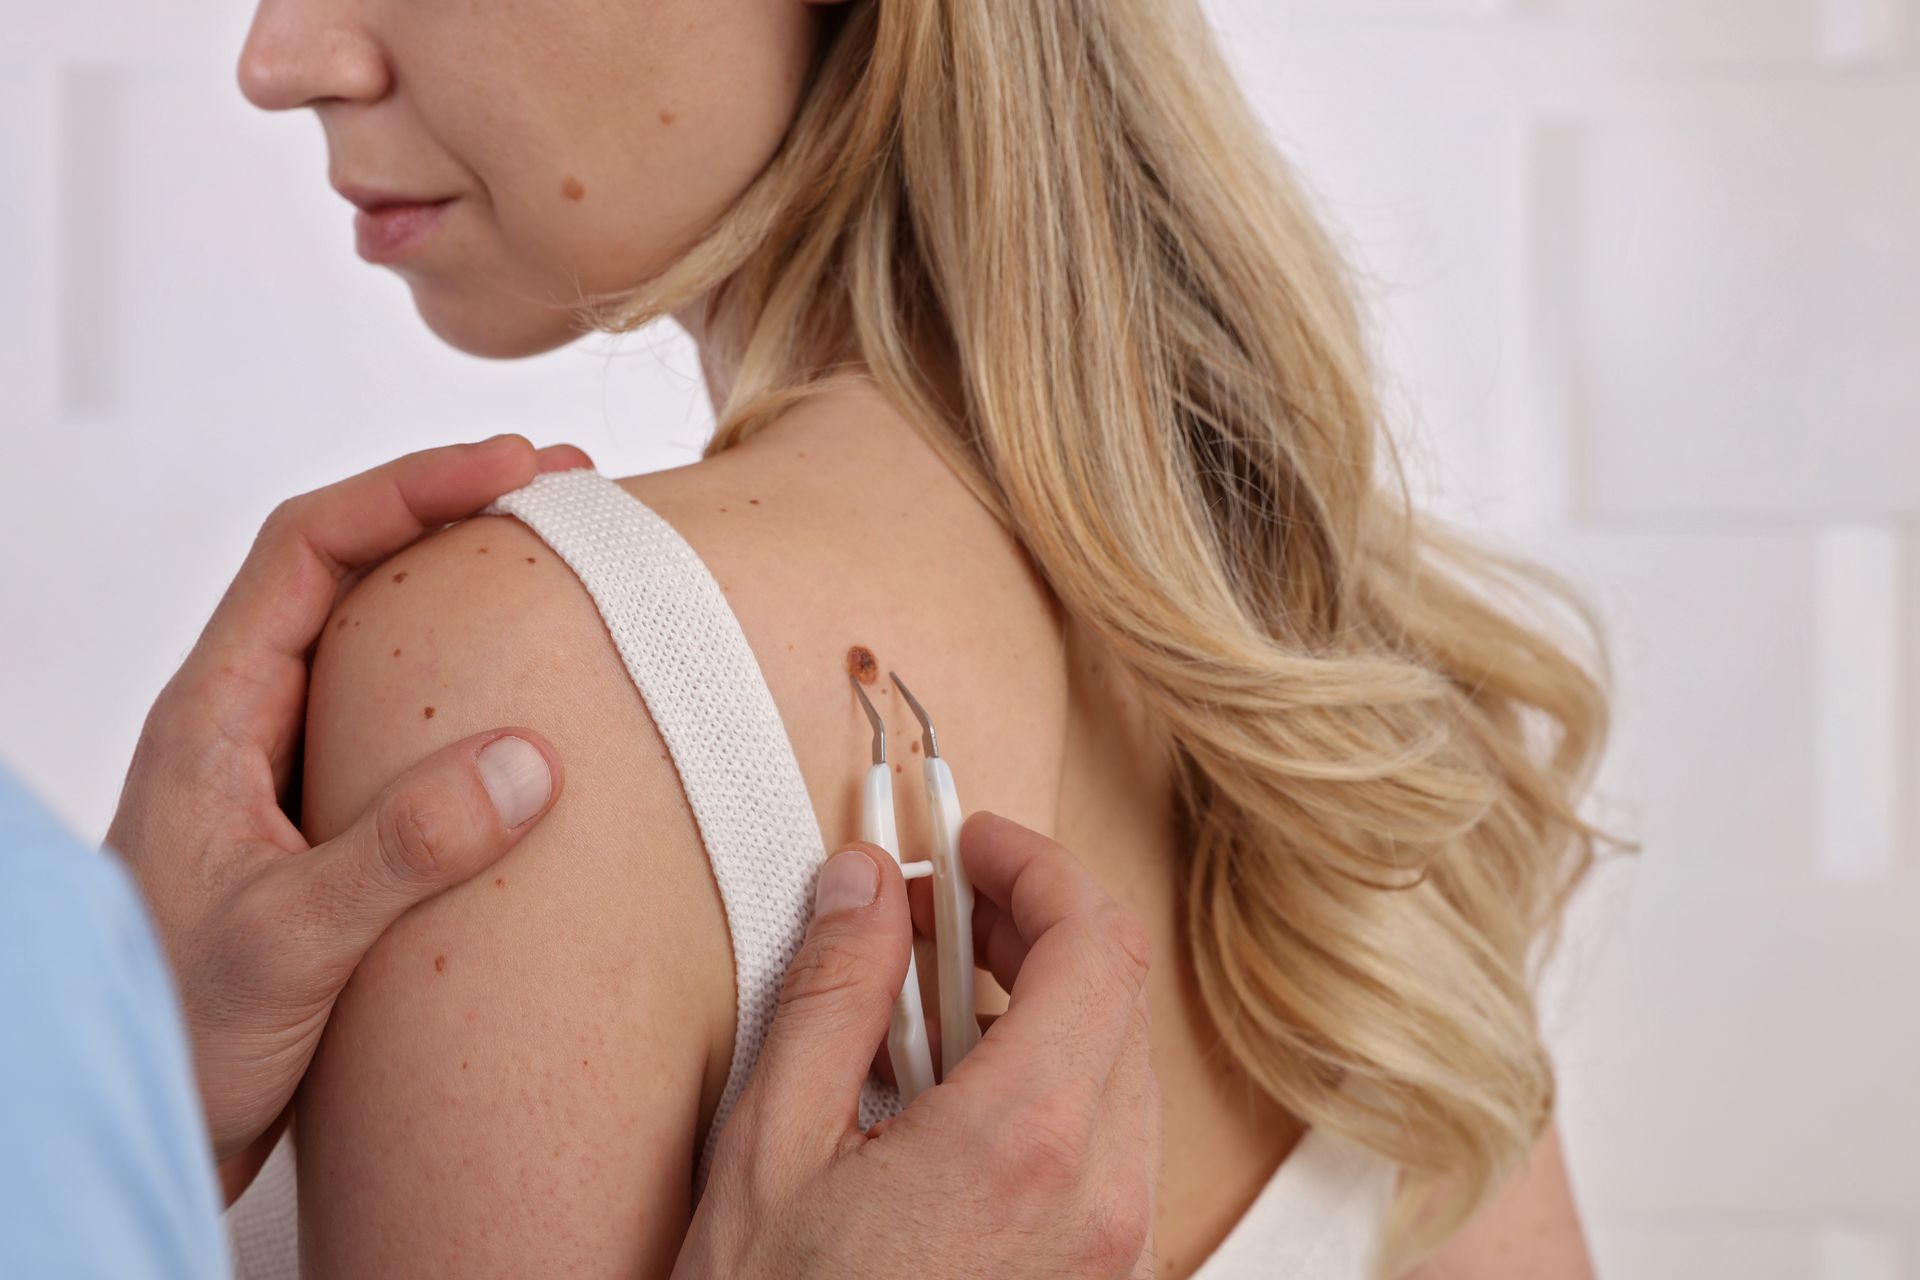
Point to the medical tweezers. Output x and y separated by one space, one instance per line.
952 905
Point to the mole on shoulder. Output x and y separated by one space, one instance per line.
481 551
429 713
439 964
861 666
340 625
400 576
396 653
573 188
668 115
529 559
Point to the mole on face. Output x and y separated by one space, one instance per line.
572 188
861 666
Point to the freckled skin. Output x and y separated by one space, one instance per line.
861 666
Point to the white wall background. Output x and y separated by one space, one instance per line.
1649 283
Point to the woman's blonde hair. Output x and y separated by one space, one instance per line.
1056 236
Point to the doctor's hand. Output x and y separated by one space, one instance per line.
1039 1156
262 930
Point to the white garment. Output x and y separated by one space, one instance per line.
1319 1215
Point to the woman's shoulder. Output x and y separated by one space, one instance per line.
838 528
556 1029
580 996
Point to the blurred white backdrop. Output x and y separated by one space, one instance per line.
1648 285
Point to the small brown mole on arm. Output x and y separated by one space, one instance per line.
439 964
914 746
668 115
861 666
400 576
429 713
529 559
573 189
480 551
396 653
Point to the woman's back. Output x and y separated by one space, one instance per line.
523 1072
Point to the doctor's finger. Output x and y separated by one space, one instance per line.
290 579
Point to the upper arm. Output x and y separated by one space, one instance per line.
515 1078
1530 1230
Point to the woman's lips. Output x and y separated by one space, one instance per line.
390 231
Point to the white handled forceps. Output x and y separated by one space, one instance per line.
952 906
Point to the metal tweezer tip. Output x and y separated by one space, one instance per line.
873 717
919 713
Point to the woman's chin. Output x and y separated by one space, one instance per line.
492 329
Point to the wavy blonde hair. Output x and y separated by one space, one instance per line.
1055 234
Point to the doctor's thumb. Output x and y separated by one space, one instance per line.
837 997
442 822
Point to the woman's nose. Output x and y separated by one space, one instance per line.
302 52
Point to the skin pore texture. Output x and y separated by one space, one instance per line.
519 1076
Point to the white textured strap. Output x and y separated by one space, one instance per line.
677 635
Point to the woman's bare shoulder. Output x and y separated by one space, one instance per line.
517 1074
838 528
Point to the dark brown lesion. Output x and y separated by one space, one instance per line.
861 665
